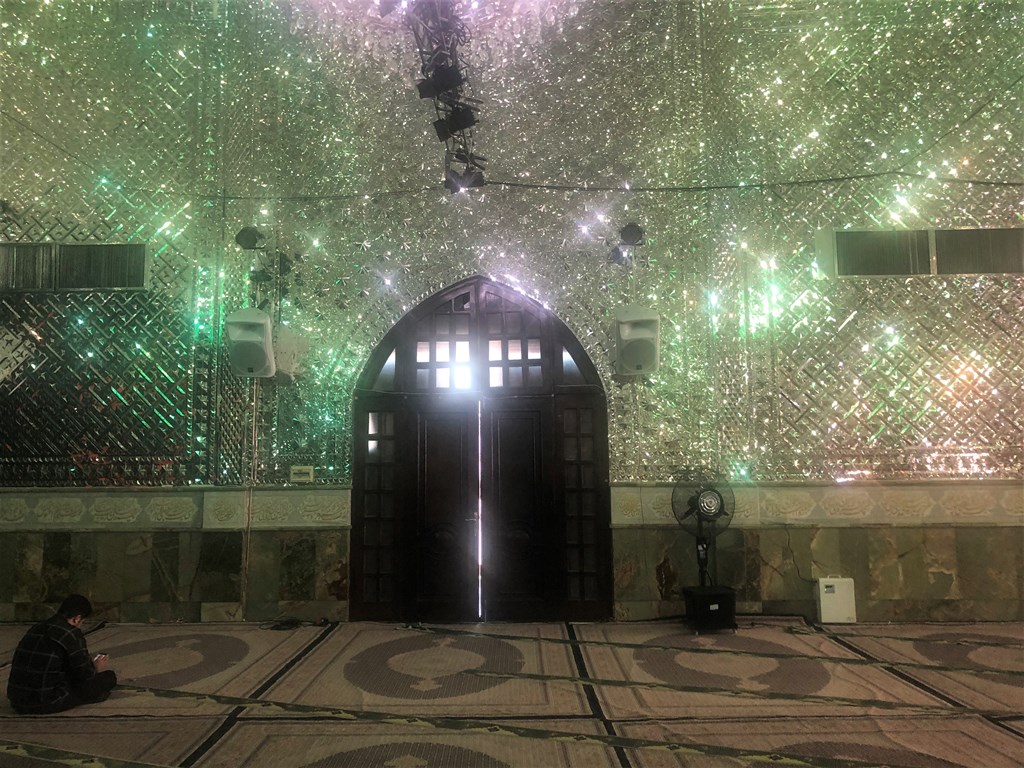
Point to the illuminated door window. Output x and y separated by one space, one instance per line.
485 350
514 349
443 360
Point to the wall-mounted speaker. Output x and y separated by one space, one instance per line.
637 332
250 343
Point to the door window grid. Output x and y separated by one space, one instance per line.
519 340
581 503
442 348
514 358
379 508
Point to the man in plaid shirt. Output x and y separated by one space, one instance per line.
52 670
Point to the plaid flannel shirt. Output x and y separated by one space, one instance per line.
50 661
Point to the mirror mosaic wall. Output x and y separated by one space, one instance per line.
734 133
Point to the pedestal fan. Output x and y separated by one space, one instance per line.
704 509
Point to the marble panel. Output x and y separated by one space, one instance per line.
939 574
632 568
54 566
847 505
29 586
117 511
129 509
191 569
786 505
654 564
730 565
264 572
786 571
331 566
9 544
224 509
917 563
59 510
885 571
982 502
826 552
137 569
32 612
108 583
14 512
164 567
82 564
219 567
990 563
750 588
626 505
854 560
748 507
1011 500
301 508
968 504
906 505
172 510
656 505
298 566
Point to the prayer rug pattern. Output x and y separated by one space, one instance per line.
626 695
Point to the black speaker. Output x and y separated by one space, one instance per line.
249 335
637 332
710 608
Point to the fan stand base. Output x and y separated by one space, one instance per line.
710 608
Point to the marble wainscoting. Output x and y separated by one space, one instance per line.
943 551
940 551
167 555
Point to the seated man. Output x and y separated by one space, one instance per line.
52 670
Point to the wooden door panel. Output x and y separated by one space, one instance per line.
445 535
424 461
520 550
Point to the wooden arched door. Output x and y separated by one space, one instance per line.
480 467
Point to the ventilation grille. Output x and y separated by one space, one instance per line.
852 253
64 267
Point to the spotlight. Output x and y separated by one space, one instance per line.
460 118
441 80
631 234
475 161
248 238
460 182
621 255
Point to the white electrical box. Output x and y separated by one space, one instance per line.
837 603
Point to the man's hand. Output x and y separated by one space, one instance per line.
100 660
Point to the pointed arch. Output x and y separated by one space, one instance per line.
480 476
506 340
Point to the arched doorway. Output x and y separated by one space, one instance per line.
480 467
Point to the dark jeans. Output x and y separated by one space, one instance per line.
97 688
92 691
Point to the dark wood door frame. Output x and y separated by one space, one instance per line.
543 466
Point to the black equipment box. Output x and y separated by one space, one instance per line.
710 608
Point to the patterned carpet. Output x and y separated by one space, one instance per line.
629 695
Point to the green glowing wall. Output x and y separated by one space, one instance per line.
731 131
